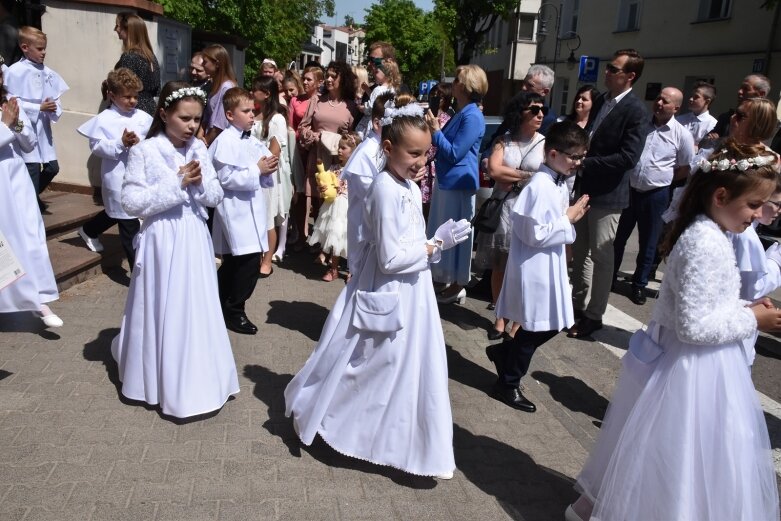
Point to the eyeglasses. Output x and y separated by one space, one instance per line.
740 115
574 157
536 109
776 205
372 60
612 69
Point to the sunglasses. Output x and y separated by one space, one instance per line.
574 157
740 115
377 62
536 109
612 69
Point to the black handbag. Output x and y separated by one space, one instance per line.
490 213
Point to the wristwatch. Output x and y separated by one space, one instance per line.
18 126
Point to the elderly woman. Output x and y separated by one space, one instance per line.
456 183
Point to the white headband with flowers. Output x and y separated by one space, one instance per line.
412 110
184 92
741 165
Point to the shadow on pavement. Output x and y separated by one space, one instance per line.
465 371
768 347
4 374
305 317
26 322
524 489
573 394
464 318
270 388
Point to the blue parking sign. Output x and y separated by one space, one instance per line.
589 69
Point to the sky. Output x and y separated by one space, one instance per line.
355 8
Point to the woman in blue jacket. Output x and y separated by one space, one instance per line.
456 161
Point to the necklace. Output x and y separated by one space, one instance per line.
331 102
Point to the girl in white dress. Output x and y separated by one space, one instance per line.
173 349
330 229
20 219
376 388
271 129
685 436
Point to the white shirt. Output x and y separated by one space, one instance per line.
607 106
698 126
666 147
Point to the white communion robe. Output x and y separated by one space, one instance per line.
685 436
21 223
32 83
104 132
376 386
173 348
536 291
359 172
240 220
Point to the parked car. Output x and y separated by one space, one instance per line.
486 183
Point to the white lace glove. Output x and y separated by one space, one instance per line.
451 233
774 253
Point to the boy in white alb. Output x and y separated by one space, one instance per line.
111 134
243 165
38 89
536 293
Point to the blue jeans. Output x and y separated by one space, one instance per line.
645 209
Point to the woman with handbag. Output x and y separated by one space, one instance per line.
515 157
328 116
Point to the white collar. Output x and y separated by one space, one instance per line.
621 96
704 116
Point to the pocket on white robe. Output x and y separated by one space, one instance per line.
377 311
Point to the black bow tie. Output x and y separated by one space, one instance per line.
560 179
245 134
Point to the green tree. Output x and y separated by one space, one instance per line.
274 28
416 35
467 22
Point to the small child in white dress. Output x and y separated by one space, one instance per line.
173 348
376 388
685 436
330 229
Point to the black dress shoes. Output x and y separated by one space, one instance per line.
513 397
494 334
584 328
638 295
240 324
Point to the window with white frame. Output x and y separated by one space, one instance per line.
570 9
526 27
629 12
714 10
563 84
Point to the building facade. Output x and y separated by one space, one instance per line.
720 41
328 43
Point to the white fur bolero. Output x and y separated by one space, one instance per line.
699 298
152 183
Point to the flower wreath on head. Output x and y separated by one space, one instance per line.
184 92
741 165
411 109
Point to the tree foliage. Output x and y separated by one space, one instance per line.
418 37
274 28
467 22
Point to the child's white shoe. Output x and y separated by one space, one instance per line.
93 244
49 318
445 475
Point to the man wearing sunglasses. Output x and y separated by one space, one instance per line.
668 151
618 125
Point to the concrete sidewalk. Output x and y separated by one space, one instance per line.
70 449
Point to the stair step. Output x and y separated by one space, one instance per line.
67 212
74 263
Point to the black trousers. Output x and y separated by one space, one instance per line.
237 278
516 354
42 174
128 228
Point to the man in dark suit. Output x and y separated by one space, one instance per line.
618 125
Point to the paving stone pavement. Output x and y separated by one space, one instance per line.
70 449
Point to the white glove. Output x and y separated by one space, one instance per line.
451 233
774 253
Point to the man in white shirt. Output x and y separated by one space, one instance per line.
668 150
699 121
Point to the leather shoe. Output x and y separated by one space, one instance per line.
494 334
584 328
513 397
638 295
241 324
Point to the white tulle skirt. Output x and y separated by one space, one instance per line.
684 438
330 229
173 349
